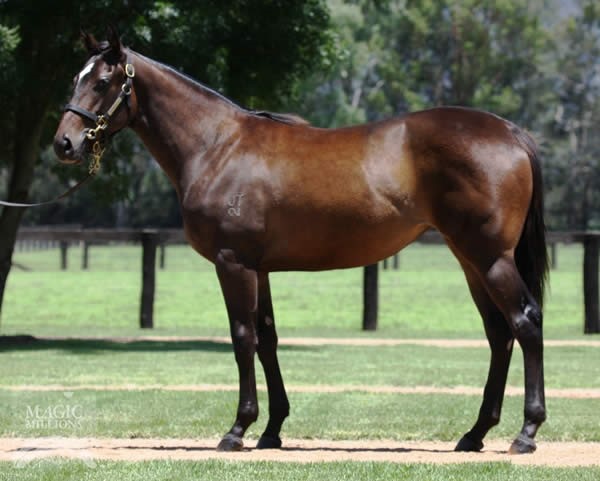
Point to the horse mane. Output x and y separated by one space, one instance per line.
290 119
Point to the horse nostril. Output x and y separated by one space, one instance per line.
67 146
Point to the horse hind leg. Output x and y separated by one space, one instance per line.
279 406
501 341
506 288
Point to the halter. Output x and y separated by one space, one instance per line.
102 120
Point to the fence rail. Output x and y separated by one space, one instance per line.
153 239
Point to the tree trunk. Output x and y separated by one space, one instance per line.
25 156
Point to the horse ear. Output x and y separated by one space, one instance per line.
114 40
91 44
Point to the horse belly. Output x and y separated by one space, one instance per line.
331 244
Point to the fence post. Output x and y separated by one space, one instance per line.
396 261
591 245
149 244
162 256
85 257
370 297
64 246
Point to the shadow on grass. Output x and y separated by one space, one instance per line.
88 346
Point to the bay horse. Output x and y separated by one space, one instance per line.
261 192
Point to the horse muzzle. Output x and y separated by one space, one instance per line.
69 151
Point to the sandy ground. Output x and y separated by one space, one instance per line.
22 451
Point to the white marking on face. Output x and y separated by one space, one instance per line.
86 71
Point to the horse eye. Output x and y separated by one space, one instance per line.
102 84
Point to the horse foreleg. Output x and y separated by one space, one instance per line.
501 342
240 290
279 406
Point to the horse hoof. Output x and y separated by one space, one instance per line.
468 445
230 442
268 442
522 445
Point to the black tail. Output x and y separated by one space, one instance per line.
531 255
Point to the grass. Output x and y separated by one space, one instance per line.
351 415
427 297
60 470
79 362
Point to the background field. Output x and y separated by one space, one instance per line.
426 298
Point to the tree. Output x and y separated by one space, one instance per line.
254 49
406 55
574 157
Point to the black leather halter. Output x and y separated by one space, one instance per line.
102 120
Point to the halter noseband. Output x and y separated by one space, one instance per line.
102 120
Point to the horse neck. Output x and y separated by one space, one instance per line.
178 120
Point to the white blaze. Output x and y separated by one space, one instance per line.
86 71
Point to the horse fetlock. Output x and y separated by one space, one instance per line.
247 413
535 413
494 419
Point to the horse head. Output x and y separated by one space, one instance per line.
103 100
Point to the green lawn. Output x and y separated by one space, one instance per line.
79 362
427 297
350 415
56 470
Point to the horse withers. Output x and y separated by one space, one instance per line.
262 192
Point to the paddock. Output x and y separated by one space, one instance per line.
80 346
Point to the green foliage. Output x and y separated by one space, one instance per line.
405 55
254 51
574 167
9 41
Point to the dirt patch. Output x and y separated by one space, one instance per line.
567 393
22 451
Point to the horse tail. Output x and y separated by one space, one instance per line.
531 255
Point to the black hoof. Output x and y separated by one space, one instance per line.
522 445
268 442
230 442
466 444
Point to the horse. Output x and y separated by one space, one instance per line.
261 192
